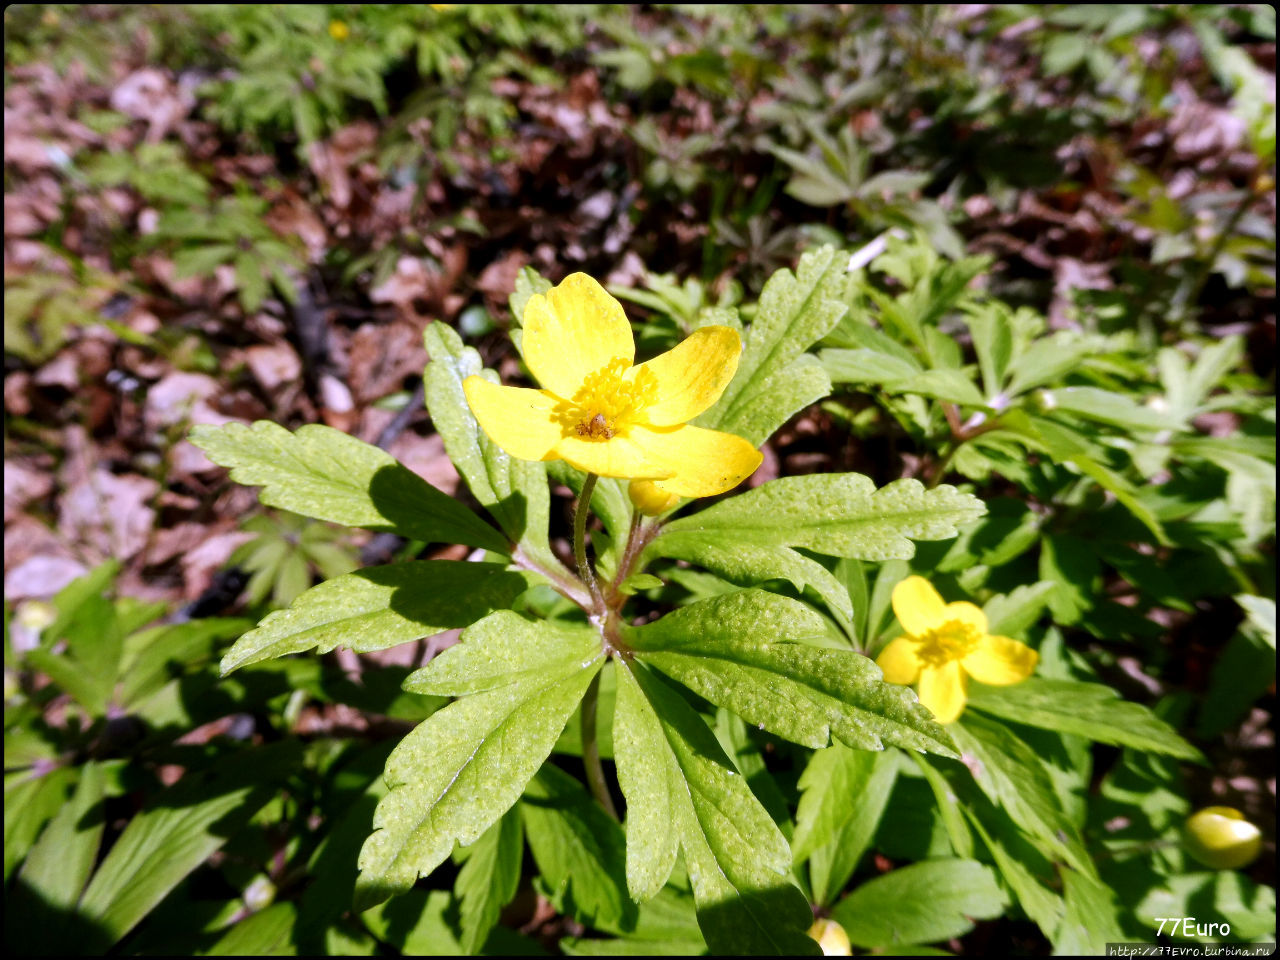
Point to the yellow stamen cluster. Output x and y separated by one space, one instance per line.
953 640
606 404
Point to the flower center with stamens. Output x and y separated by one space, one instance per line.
952 641
606 404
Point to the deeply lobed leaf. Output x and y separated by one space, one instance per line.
380 607
466 765
683 793
734 651
840 514
323 473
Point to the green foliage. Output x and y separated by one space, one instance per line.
923 903
43 307
232 232
281 558
1095 472
323 473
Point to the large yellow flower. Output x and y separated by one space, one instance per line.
946 643
604 415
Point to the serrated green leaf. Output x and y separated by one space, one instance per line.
1088 710
838 514
733 651
835 782
1046 360
514 491
1106 406
940 384
579 850
795 312
776 398
921 903
748 565
865 365
267 933
992 335
832 864
528 283
1044 907
29 804
466 765
58 867
1012 614
323 473
489 880
1091 919
175 834
502 649
1012 777
683 793
380 607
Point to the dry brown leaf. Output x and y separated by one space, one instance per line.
108 513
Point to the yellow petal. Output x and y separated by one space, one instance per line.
517 419
700 462
691 376
616 457
942 691
918 606
1000 661
573 330
968 614
898 661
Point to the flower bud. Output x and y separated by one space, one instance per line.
649 498
1221 838
831 938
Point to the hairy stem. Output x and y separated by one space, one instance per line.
580 515
591 748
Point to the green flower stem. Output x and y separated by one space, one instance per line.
580 515
591 748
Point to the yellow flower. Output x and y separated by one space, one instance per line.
831 938
339 30
603 414
946 643
649 499
1221 838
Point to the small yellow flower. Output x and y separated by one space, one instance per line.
831 938
649 499
603 414
945 643
1221 838
339 30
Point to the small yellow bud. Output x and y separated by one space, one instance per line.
649 499
1221 838
339 30
831 938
